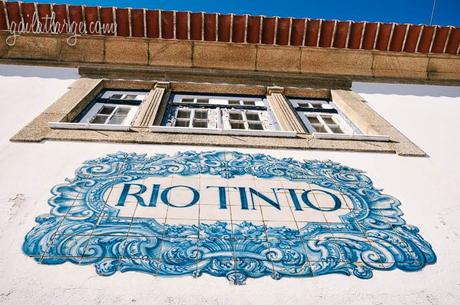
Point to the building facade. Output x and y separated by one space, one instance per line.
195 158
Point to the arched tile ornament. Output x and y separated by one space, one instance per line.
82 229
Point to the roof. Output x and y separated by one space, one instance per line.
249 29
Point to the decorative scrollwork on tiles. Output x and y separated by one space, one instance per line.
82 229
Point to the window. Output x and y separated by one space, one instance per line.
235 113
110 110
321 116
238 119
112 107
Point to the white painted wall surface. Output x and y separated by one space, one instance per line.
427 187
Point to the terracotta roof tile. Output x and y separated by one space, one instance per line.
224 28
269 30
3 25
239 28
454 41
13 11
91 16
61 15
341 34
426 38
283 31
246 29
196 26
153 24
312 34
137 23
182 27
297 30
167 24
356 34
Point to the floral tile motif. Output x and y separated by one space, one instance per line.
356 228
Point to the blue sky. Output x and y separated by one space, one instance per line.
403 11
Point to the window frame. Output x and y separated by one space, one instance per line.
346 125
83 119
95 111
223 122
53 122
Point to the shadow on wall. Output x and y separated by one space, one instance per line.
407 89
39 71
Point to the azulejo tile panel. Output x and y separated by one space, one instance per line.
225 214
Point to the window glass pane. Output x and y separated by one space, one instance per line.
328 120
200 124
106 109
304 104
336 129
201 114
118 120
255 126
124 95
183 114
233 102
252 116
237 125
130 97
249 103
122 111
236 116
116 96
319 128
317 106
187 100
313 119
182 123
202 101
99 119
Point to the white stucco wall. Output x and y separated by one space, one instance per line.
427 187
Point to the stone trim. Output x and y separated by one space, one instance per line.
84 90
283 111
370 122
150 106
65 109
181 76
348 64
70 105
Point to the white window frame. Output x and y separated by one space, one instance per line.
98 106
222 105
339 122
329 109
105 98
191 118
326 109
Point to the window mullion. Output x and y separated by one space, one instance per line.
219 122
320 118
245 120
192 117
109 117
307 122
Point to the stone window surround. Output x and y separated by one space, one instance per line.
151 111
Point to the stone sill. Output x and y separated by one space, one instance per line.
144 136
281 134
66 125
355 137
